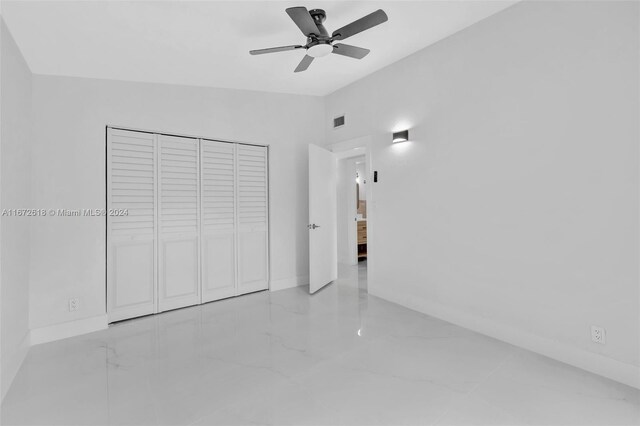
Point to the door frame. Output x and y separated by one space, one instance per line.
183 135
358 147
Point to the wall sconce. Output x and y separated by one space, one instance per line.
402 136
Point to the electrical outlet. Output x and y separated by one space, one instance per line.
598 334
74 304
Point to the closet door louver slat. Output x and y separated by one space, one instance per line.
132 249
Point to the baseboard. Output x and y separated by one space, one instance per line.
627 374
286 283
12 366
68 329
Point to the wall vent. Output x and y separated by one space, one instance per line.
338 122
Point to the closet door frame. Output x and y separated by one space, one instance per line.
117 316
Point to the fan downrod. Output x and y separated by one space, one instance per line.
318 15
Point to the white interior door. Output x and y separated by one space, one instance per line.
218 170
178 221
253 215
323 233
131 254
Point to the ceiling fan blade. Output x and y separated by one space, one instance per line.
350 51
364 23
304 21
304 63
274 49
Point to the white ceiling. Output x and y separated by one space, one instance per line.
206 43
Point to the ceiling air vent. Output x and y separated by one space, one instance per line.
338 122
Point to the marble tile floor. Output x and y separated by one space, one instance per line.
340 357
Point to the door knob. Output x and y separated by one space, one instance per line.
313 226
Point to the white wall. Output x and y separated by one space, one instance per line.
15 168
514 208
70 115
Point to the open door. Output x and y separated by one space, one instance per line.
323 230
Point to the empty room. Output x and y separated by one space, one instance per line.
320 213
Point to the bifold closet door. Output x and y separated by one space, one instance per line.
218 192
178 222
131 253
252 202
196 223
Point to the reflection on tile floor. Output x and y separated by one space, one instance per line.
340 357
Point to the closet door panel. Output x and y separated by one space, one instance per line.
218 267
253 258
218 169
131 251
178 220
133 273
252 201
180 274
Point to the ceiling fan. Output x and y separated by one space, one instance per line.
319 43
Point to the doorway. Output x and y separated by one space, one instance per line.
354 210
361 209
351 216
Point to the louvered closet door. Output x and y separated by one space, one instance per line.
217 165
252 189
131 252
178 221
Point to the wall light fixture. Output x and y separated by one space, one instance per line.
401 136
